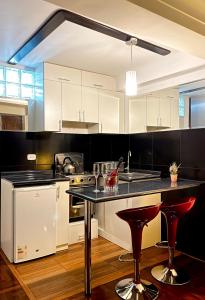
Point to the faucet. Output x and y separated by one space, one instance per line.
129 154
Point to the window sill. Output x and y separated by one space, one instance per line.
14 101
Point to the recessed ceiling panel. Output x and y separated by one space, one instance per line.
79 47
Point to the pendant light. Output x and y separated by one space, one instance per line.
131 75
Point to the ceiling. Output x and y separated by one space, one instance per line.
190 14
79 47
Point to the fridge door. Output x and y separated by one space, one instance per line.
34 222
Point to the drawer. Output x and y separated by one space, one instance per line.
76 231
56 72
98 81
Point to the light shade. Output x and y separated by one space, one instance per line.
131 83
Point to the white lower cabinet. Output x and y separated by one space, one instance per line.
62 217
76 231
117 231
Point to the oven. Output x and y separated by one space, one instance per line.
77 180
76 209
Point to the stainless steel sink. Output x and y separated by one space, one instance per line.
132 176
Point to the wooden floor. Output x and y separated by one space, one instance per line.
61 276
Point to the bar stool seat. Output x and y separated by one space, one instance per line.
135 288
168 273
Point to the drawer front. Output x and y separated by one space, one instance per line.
76 231
98 81
55 72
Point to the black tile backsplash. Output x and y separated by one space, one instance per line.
100 147
119 146
14 147
141 146
193 148
166 147
153 150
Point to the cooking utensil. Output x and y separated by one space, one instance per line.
68 167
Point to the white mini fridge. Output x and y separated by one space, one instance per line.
34 222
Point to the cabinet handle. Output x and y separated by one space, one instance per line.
58 193
98 85
62 78
79 115
60 125
83 116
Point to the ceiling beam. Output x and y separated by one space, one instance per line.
60 17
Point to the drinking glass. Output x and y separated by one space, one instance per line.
104 171
96 173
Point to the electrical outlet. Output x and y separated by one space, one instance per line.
31 156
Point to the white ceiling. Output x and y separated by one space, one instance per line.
78 47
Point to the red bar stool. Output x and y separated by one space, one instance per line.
168 273
136 288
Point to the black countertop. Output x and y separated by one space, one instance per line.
28 178
133 189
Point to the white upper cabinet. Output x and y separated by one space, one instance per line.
90 105
55 72
158 111
165 112
98 81
71 102
73 95
137 115
108 112
52 105
175 112
152 111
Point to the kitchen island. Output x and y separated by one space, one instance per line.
125 190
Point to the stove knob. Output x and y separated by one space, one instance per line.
81 180
72 181
89 178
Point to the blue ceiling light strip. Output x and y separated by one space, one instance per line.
61 16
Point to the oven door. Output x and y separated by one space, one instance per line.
76 209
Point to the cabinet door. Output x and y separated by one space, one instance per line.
62 218
152 111
151 233
71 102
137 115
56 72
117 229
98 81
165 112
52 105
90 105
175 112
108 112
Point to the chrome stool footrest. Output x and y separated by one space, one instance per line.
170 276
162 244
127 289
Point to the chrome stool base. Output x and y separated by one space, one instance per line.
128 290
170 276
